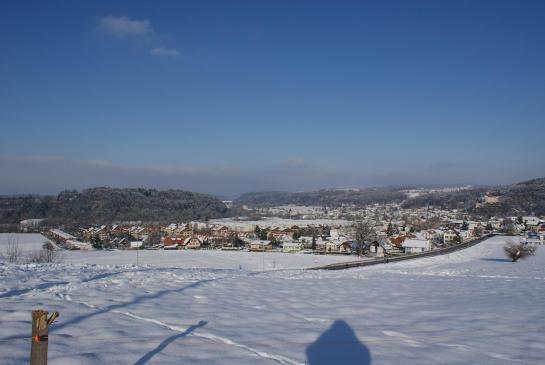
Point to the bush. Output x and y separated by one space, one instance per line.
516 251
13 252
48 254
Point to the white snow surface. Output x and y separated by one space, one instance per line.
469 307
27 242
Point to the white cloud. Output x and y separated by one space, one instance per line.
123 27
168 52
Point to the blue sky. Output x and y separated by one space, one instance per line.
229 96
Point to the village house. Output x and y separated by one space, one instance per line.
397 241
531 221
120 243
221 232
382 247
61 236
173 242
491 198
101 233
466 235
137 233
260 246
30 224
376 249
320 245
431 234
170 228
193 243
77 245
339 245
134 245
411 246
451 235
291 247
280 234
306 241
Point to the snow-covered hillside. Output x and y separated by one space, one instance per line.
470 307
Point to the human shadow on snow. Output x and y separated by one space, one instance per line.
338 345
147 357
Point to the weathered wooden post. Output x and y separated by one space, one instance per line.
40 331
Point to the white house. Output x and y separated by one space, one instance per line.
450 235
75 244
136 244
292 247
260 246
379 248
416 246
339 245
531 221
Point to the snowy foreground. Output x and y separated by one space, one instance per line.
470 307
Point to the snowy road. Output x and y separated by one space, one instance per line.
469 307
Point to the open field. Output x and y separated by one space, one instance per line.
213 259
27 242
469 307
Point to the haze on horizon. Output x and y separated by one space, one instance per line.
229 97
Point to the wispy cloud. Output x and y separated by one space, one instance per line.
165 52
138 31
123 27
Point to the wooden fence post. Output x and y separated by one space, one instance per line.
40 331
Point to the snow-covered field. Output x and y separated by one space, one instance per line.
469 307
25 241
213 259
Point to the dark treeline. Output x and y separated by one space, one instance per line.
523 198
329 198
526 197
108 205
463 199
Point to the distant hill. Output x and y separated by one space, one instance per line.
329 197
461 199
526 197
523 198
107 205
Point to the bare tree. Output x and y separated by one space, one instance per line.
516 251
13 253
48 254
363 233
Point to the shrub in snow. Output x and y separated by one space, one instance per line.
13 252
516 251
48 254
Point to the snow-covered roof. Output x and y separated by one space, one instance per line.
291 244
416 243
259 242
62 234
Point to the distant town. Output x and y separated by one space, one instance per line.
375 230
